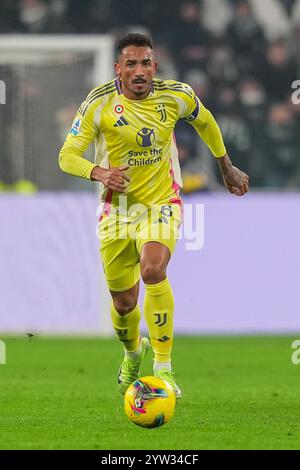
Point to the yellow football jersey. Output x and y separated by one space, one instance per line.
140 134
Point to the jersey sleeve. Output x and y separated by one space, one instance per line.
80 136
195 113
188 101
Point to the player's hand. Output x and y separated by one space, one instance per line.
113 178
236 181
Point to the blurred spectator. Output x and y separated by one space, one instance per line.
160 21
246 37
200 83
185 142
295 46
40 16
272 17
253 107
235 129
221 66
90 16
279 71
295 13
194 179
253 101
166 64
288 5
191 46
282 148
217 14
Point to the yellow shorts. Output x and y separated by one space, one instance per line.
121 242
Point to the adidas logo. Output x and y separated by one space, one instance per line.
121 122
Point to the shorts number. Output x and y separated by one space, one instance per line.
166 211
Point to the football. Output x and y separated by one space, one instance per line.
149 402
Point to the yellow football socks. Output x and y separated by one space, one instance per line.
158 311
127 327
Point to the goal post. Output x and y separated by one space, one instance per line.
27 48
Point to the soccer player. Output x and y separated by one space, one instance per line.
131 119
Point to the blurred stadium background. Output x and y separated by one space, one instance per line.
242 58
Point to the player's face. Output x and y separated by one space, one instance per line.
136 68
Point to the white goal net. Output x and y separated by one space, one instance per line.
45 79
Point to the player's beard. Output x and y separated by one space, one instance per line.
141 89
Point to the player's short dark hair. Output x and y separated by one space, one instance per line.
134 39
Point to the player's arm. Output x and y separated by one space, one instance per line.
71 156
236 181
82 133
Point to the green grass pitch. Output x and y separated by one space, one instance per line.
239 393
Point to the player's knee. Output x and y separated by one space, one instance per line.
124 305
153 273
